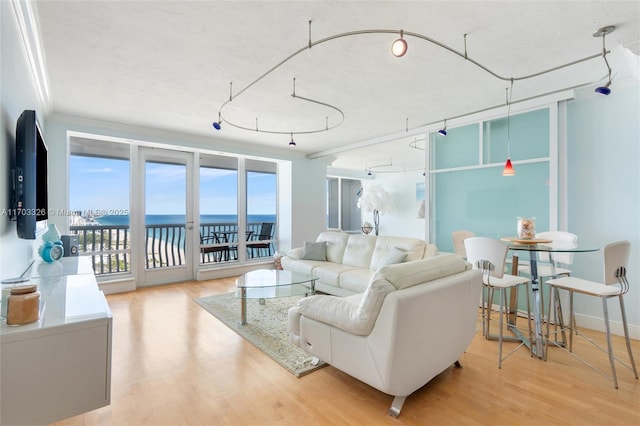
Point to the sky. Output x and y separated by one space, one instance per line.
103 184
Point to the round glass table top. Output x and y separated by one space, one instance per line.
548 246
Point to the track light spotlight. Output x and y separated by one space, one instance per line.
218 124
443 131
369 173
399 47
602 32
604 90
292 143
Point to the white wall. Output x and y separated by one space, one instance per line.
403 219
18 93
604 189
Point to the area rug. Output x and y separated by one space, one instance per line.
266 328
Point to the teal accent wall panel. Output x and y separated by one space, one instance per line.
528 134
458 149
485 202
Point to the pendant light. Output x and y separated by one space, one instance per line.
508 167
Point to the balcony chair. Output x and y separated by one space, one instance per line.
259 244
490 256
458 238
209 249
616 257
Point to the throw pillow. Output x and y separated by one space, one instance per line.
315 251
395 255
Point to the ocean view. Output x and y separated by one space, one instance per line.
156 219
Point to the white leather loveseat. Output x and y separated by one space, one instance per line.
413 321
344 263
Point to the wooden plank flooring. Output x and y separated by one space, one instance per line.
175 364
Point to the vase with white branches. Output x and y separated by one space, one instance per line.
375 199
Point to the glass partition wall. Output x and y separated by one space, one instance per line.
468 188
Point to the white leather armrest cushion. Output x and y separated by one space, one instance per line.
296 253
355 315
331 310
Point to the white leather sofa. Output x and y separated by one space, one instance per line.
351 260
413 321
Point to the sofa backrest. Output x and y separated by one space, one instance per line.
359 250
366 251
336 244
412 246
405 275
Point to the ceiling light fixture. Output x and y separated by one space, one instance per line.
602 32
292 143
399 47
508 167
443 131
218 124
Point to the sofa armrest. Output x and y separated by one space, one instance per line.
331 310
296 253
294 325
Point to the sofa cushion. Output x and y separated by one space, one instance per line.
359 250
315 251
329 273
408 274
356 280
393 256
414 248
336 244
299 265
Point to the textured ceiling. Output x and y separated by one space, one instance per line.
168 64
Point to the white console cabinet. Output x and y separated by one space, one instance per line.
59 366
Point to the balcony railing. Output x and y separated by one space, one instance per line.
110 251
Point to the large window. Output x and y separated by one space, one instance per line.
342 204
262 200
237 200
218 209
99 203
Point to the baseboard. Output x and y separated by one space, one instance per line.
230 271
117 286
596 323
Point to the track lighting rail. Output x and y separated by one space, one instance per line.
464 55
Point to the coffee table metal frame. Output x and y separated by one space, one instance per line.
271 283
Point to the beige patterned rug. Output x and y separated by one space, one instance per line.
266 328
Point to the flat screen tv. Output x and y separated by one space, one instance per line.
31 193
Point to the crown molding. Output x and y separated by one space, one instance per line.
27 20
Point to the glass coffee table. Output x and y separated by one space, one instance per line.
269 284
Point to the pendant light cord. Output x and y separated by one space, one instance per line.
510 94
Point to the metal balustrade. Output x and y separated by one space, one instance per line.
109 246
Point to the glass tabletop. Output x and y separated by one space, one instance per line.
271 283
551 248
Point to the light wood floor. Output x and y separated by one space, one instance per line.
175 364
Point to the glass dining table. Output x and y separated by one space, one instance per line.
535 246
